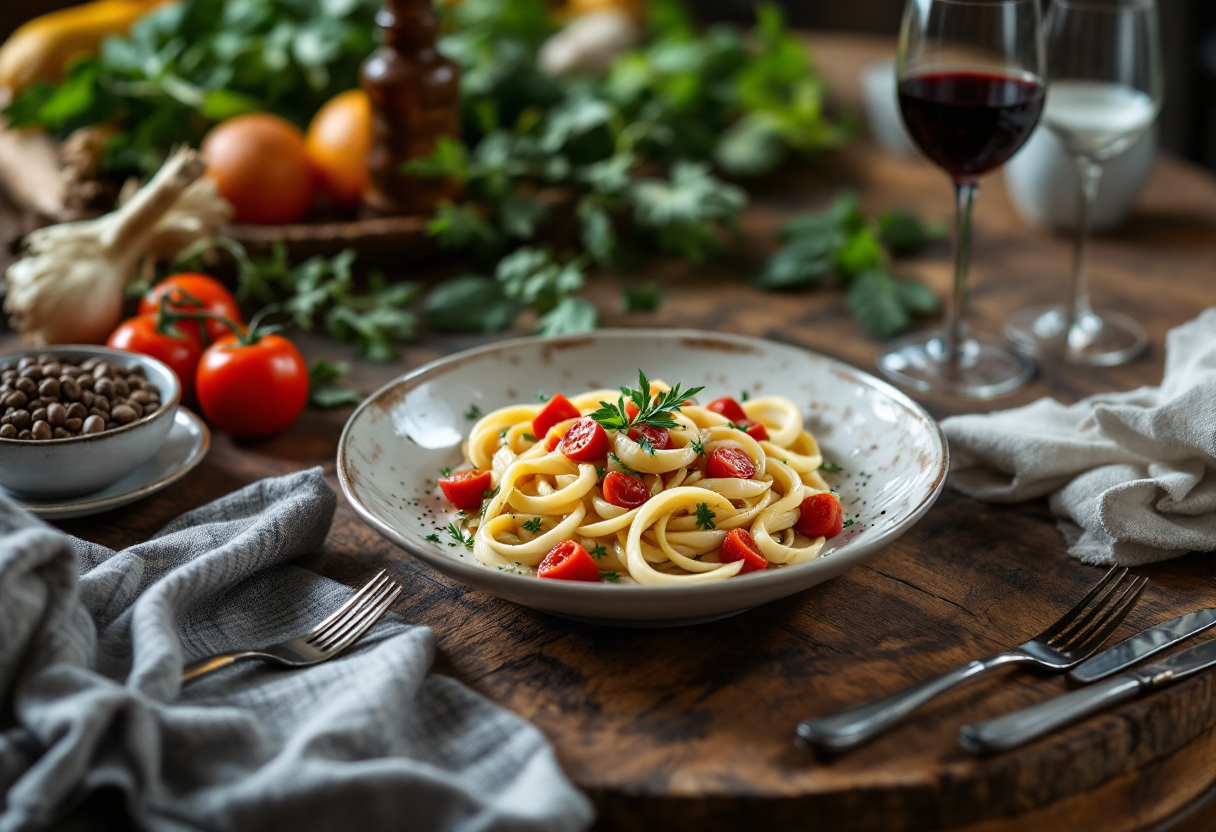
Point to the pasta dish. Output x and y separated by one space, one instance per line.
643 484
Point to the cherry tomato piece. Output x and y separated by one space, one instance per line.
465 489
568 561
729 462
625 491
177 348
729 408
585 441
631 411
212 296
756 430
254 389
820 516
557 410
739 545
660 438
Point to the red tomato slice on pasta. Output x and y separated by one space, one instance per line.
820 515
558 409
465 489
754 429
585 441
729 408
739 545
568 561
726 463
625 491
659 438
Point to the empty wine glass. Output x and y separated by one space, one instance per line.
1104 58
971 90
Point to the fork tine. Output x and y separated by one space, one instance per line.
354 599
338 629
376 592
1100 604
1091 640
1070 616
364 624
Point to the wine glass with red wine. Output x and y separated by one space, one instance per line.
971 90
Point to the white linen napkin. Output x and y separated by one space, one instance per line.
1132 476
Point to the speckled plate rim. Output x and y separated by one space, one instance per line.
83 506
478 575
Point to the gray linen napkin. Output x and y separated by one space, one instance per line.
1132 476
92 644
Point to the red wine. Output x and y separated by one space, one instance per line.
970 122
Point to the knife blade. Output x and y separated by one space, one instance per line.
1142 645
1018 728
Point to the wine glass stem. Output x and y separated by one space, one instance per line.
1090 174
955 333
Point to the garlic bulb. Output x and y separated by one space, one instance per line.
589 43
68 287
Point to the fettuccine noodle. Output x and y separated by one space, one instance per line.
541 497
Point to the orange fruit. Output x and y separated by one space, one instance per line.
338 141
259 164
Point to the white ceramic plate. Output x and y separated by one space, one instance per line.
184 449
893 455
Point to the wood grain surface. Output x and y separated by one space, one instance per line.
692 728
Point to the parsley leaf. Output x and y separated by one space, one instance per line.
625 469
847 523
830 467
645 444
434 538
655 410
445 472
697 446
705 517
598 552
609 576
641 298
904 233
459 535
473 413
533 525
469 304
324 391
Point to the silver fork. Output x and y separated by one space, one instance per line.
1068 642
329 638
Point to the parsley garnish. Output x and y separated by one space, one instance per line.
847 523
434 538
532 525
473 413
654 410
697 446
625 469
445 472
541 397
487 498
737 427
705 517
830 467
609 576
744 396
459 536
645 444
529 437
502 434
599 472
598 552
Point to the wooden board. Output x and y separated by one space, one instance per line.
692 729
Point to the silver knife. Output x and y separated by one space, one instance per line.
1142 645
1020 727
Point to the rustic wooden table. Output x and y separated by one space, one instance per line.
692 728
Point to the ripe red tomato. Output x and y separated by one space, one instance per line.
756 430
178 349
465 489
820 516
729 408
568 561
585 441
729 462
559 409
625 491
740 546
659 438
213 295
254 389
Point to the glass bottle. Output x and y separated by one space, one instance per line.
415 97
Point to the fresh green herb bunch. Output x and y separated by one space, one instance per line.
190 64
654 410
840 242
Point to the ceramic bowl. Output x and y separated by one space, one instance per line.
59 468
894 457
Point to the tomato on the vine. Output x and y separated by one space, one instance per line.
189 292
176 347
252 385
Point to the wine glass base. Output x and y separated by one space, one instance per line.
984 370
1101 339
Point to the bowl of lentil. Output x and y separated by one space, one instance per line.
74 419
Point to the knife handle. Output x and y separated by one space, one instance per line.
1018 728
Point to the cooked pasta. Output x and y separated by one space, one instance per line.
654 487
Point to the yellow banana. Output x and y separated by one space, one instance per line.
43 47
